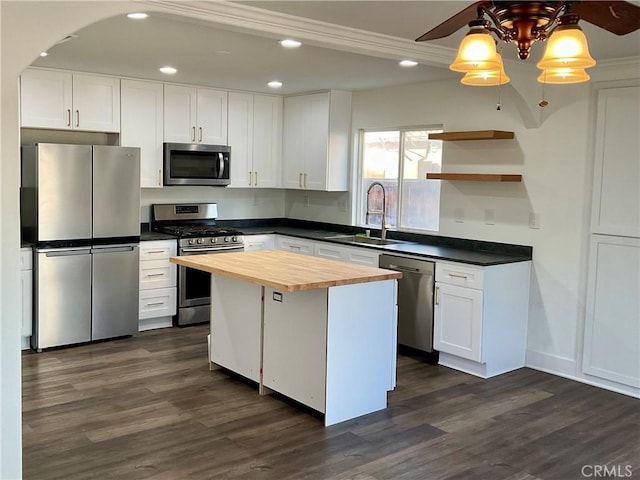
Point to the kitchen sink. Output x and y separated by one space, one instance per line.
363 240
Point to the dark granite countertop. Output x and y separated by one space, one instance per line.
478 253
149 236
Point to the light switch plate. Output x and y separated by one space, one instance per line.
490 216
534 220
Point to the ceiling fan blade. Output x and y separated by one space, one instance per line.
454 23
615 16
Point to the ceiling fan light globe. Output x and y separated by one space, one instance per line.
563 76
477 52
485 78
567 47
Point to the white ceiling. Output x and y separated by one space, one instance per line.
212 54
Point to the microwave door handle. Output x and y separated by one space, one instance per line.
221 167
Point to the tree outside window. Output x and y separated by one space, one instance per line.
400 160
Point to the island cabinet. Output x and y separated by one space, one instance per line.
318 331
69 101
316 141
195 115
480 317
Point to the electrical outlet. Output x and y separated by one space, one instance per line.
458 215
534 220
490 216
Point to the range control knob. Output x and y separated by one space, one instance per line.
235 239
199 241
191 242
226 239
213 240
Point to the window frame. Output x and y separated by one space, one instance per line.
359 214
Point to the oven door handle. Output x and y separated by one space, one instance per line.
211 250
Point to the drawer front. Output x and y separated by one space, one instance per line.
459 274
26 259
159 302
158 250
157 274
294 245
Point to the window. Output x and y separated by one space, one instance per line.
400 160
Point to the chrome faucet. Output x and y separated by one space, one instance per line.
383 222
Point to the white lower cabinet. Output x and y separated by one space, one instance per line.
361 256
26 292
480 317
158 284
295 245
259 242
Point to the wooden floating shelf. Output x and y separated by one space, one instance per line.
472 135
475 177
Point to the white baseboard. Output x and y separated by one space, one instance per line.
568 368
26 343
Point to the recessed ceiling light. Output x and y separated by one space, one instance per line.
408 63
168 70
274 84
288 43
43 54
137 16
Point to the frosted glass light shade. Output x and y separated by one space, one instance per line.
477 52
567 47
486 78
563 75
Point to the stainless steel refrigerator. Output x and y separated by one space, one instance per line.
80 206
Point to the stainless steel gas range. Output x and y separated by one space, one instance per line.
194 225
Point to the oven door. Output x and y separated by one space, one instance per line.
194 286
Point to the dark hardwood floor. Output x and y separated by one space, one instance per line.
148 407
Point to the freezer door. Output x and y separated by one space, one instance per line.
62 298
115 291
63 191
116 191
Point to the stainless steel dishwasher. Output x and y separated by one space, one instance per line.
415 302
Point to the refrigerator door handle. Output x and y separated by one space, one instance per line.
59 252
112 249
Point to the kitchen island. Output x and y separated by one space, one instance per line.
318 331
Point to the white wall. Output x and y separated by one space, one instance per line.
555 157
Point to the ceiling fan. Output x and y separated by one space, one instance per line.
524 23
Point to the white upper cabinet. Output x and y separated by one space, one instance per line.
69 101
316 141
142 123
255 130
195 115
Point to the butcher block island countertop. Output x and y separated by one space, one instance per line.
285 271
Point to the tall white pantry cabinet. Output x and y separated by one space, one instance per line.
612 324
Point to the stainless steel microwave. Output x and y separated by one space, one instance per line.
196 164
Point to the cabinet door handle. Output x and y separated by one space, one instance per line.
200 132
256 179
457 275
153 251
156 304
437 295
304 183
68 117
160 177
155 275
300 180
193 134
77 118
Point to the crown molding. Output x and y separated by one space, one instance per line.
249 19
